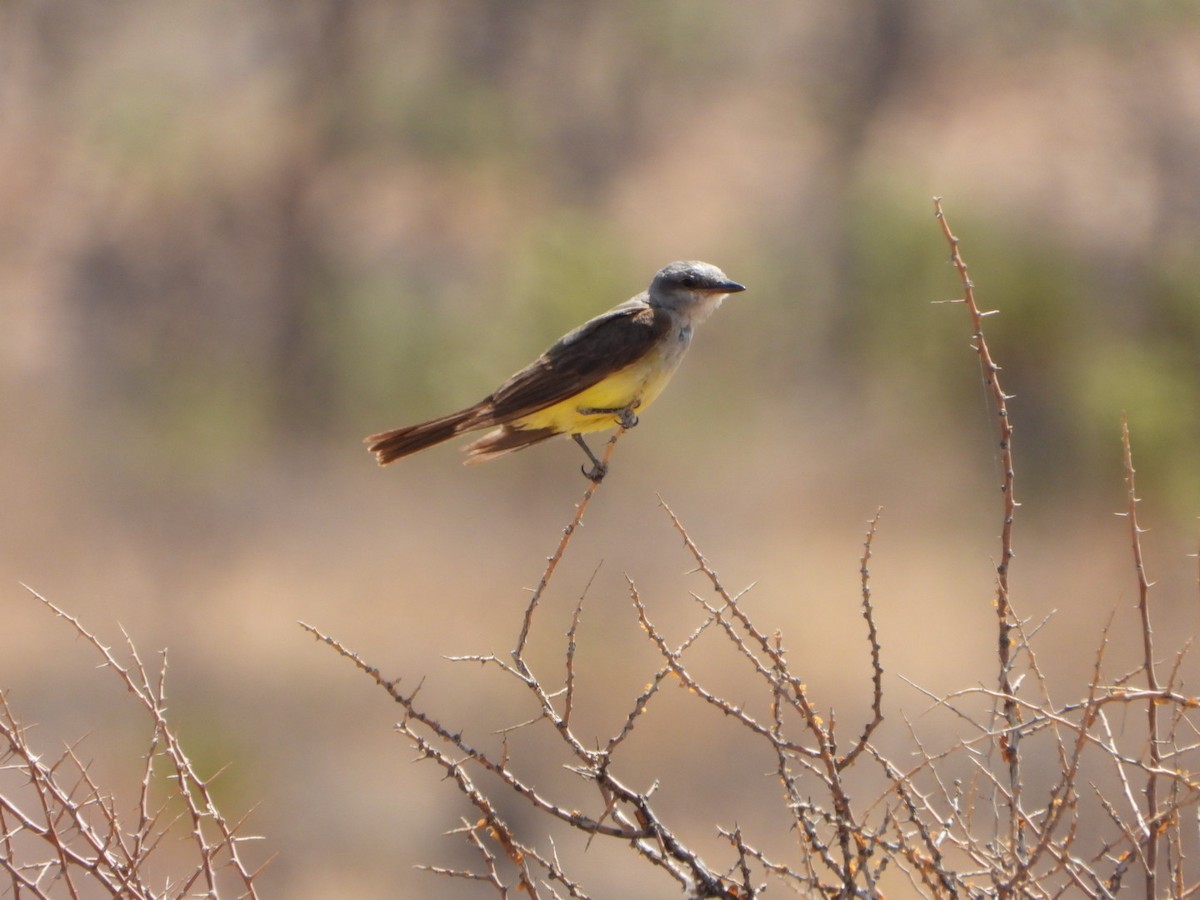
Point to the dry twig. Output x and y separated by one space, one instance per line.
86 844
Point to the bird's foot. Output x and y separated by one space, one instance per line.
598 469
596 473
624 415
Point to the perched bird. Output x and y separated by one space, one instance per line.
598 376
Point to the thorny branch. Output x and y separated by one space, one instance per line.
928 821
859 819
1154 748
554 558
86 843
939 815
1009 739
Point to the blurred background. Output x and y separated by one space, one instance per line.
238 237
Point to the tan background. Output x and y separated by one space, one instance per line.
238 237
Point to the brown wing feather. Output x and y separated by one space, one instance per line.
597 348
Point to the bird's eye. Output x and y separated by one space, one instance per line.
690 281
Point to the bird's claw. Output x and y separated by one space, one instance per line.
596 473
599 469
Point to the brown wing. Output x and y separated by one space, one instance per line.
597 348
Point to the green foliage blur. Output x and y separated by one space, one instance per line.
237 227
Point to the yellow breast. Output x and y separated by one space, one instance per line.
637 385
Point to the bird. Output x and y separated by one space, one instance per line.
598 376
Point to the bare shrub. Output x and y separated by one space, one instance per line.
62 835
959 820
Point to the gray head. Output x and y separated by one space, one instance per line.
691 286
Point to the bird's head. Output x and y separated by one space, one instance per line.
690 286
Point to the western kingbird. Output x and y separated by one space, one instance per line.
598 376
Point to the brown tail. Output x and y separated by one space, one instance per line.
389 446
504 439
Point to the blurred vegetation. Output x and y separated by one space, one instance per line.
236 225
238 237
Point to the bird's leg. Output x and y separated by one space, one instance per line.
626 418
598 470
625 415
